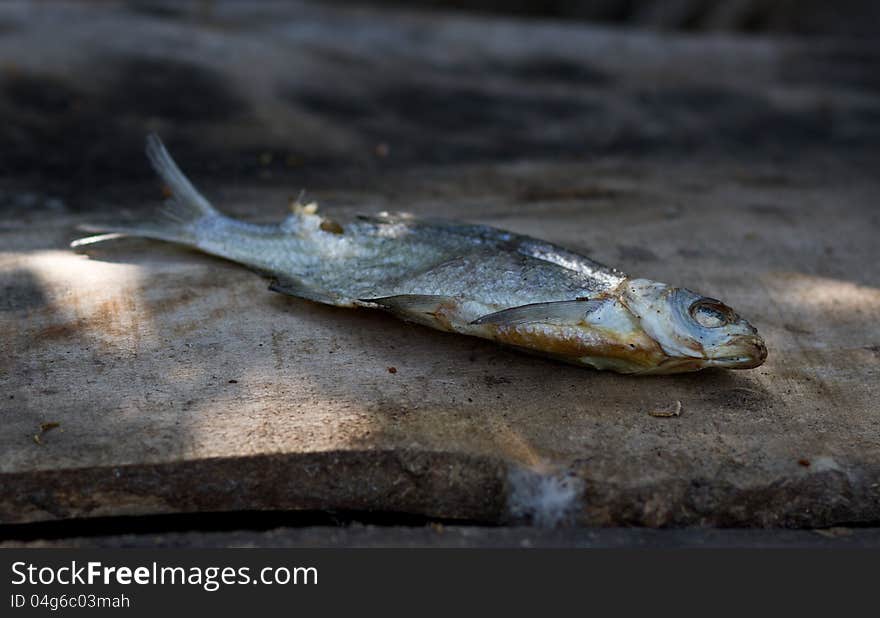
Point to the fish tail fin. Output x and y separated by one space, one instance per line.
188 202
179 218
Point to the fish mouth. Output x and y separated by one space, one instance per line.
746 352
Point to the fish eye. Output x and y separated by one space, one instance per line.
710 313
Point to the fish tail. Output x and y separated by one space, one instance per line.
178 220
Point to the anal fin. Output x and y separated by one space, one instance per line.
429 309
408 303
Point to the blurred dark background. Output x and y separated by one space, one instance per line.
333 94
804 17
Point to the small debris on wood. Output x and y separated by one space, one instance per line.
804 462
329 225
674 410
392 370
44 427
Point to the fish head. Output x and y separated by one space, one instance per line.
693 331
640 327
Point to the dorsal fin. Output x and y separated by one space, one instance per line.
524 245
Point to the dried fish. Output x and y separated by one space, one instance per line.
469 279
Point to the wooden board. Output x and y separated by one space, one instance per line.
744 169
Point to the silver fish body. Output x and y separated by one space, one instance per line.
469 279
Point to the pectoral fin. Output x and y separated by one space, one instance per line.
564 311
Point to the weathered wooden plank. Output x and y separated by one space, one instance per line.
741 168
